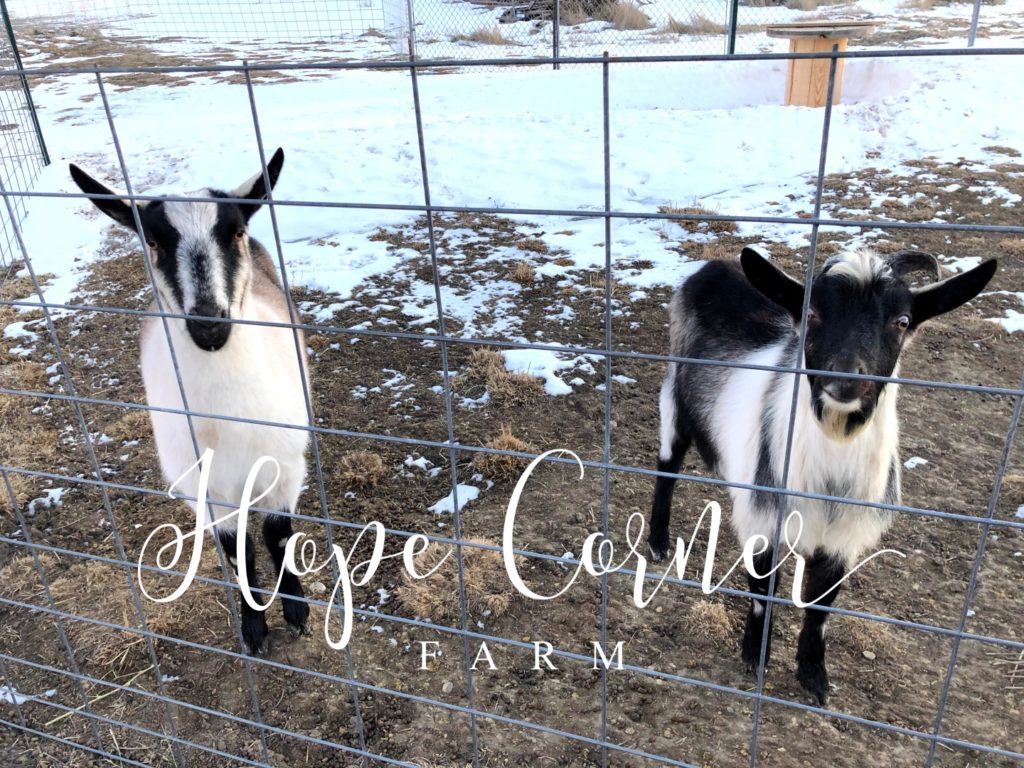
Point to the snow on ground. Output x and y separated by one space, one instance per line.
466 494
712 133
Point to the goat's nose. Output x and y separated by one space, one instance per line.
210 335
845 390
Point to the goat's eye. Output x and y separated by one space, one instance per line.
812 315
903 322
240 234
151 244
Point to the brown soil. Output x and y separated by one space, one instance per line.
880 672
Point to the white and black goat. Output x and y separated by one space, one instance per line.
846 434
206 265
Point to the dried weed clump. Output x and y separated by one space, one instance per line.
522 273
487 366
485 35
488 591
623 15
697 225
711 620
503 467
361 470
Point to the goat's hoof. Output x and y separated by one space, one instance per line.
658 544
751 648
814 678
257 646
296 615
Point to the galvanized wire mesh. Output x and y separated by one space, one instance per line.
21 148
157 715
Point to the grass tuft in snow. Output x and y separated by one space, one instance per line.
623 15
522 272
696 225
699 24
488 367
485 35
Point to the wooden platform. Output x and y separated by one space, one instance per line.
807 79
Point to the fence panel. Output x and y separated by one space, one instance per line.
448 328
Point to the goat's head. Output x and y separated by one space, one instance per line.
200 250
861 314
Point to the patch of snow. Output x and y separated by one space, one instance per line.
466 494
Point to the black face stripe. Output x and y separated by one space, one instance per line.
159 230
229 223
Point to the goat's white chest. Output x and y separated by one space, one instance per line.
255 375
857 468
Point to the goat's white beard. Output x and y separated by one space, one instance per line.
833 423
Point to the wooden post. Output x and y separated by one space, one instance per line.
807 79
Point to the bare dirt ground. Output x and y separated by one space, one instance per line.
388 386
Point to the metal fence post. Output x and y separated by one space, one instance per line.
556 24
24 82
412 30
730 45
973 32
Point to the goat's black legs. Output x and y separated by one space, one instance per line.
822 573
674 444
753 630
255 634
277 529
661 507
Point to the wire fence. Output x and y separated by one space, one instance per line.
80 713
21 145
471 29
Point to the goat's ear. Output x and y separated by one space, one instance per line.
772 282
255 188
905 262
949 294
119 210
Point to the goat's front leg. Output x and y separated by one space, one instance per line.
255 634
822 573
277 529
753 630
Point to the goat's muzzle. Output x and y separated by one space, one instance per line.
209 335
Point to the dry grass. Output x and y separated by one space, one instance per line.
623 15
522 273
503 467
100 591
1012 247
133 425
716 252
488 591
491 36
711 620
696 225
532 244
572 12
488 367
870 636
29 442
811 5
361 470
697 25
564 261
